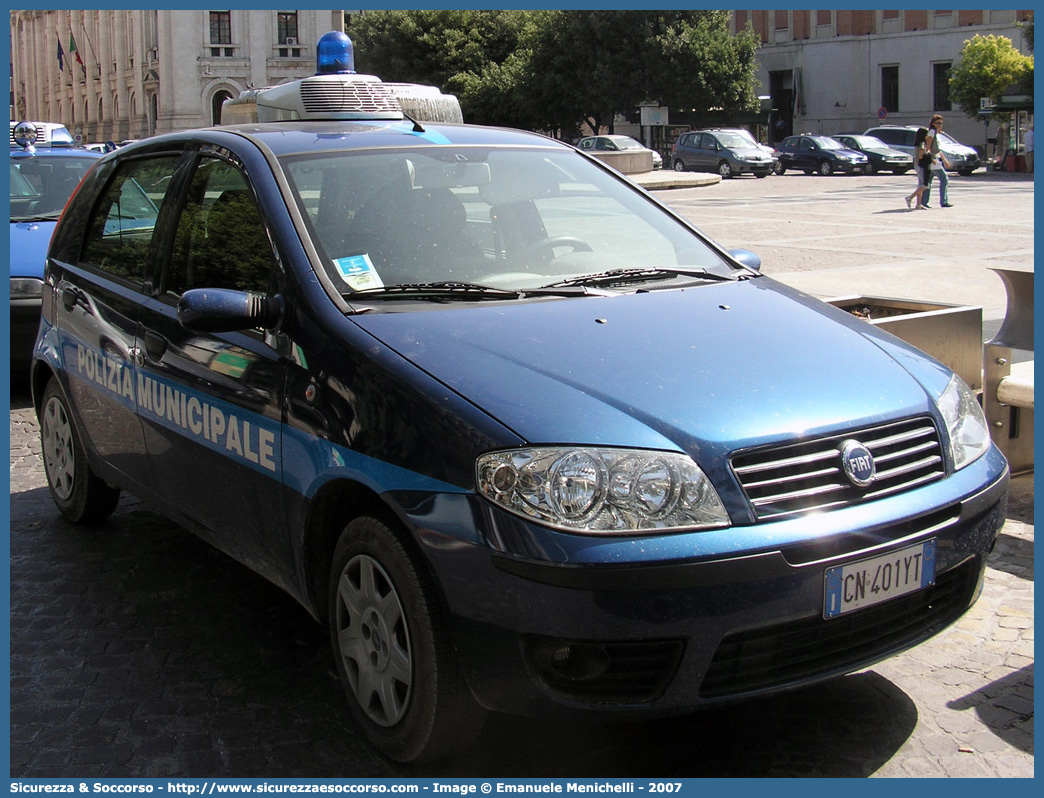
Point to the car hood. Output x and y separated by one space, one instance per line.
714 367
29 242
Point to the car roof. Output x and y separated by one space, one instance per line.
48 134
55 152
299 137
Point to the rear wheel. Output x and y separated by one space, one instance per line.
78 492
392 648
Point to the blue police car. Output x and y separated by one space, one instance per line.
45 168
519 435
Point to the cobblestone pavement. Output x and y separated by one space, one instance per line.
139 651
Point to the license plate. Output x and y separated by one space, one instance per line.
868 582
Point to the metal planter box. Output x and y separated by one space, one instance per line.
952 334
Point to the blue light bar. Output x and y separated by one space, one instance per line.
335 55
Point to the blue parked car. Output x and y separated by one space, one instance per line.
819 154
45 168
519 435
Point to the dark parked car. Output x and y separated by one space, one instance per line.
818 154
45 168
882 158
727 152
522 437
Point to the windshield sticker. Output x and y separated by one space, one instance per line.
358 273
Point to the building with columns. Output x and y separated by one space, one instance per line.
124 74
827 72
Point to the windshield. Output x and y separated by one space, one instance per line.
627 143
826 143
736 141
41 186
497 217
868 142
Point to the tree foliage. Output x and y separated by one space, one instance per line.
553 70
989 66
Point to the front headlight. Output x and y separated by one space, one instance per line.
965 423
601 491
26 288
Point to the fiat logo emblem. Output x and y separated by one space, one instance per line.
858 463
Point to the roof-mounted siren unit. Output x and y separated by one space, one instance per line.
336 91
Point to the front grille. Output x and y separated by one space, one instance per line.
605 672
807 476
772 656
326 96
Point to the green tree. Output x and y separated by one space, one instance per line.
989 66
554 70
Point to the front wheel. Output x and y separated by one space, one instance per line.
779 168
679 166
725 170
826 168
81 495
392 648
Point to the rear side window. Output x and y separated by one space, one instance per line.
120 230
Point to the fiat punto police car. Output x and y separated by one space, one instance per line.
522 437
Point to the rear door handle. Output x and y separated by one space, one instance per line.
70 297
155 345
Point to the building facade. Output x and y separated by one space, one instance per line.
123 74
828 72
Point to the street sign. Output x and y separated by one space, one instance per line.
882 112
986 103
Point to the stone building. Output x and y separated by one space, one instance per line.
828 71
124 74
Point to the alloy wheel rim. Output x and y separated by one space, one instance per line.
58 450
373 641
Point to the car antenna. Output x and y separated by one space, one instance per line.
417 126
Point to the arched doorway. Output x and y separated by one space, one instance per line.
215 105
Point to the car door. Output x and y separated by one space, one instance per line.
703 153
100 293
211 402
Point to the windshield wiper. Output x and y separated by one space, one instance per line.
38 217
445 289
638 275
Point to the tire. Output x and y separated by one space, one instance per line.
825 168
809 171
779 168
964 172
392 648
679 165
80 495
725 170
762 174
900 171
870 169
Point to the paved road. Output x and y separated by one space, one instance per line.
138 651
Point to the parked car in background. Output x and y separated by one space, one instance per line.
728 152
525 439
811 154
882 158
616 143
45 168
963 159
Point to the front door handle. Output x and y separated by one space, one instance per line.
155 345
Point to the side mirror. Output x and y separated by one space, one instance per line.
225 310
747 258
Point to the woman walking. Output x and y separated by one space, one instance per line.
938 164
923 160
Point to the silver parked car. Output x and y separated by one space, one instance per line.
963 159
617 143
725 151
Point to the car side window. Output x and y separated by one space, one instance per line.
120 230
221 239
587 144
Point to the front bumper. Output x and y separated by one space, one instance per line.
540 630
25 323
